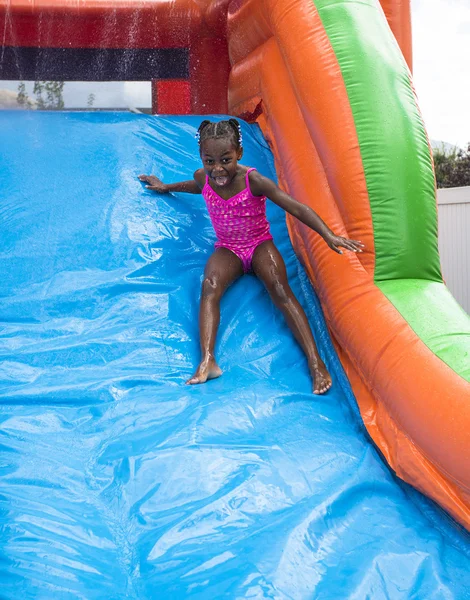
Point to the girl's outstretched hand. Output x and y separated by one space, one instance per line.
336 241
154 183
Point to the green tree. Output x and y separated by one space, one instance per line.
452 168
22 97
49 95
38 90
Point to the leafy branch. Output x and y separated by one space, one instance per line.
452 168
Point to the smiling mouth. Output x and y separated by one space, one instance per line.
221 180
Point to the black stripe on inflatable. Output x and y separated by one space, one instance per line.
93 64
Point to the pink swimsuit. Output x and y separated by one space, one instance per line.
240 222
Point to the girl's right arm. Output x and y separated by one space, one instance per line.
193 186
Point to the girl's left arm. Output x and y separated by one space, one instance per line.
262 186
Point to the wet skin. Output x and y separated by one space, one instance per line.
224 268
220 160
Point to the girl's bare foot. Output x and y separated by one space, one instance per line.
208 369
321 378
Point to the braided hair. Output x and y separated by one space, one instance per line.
220 129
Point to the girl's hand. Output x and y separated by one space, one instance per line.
336 241
154 183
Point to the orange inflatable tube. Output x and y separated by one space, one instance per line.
409 398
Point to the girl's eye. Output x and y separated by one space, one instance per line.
209 161
226 160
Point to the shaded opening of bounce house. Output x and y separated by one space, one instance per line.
117 480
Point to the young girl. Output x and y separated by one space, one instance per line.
235 196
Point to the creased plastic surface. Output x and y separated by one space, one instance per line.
116 480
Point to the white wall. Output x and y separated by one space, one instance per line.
454 241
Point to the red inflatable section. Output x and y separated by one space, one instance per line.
167 41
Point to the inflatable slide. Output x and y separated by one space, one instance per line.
116 480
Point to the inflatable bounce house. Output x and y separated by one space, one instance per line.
118 481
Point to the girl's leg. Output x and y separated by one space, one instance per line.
222 269
269 266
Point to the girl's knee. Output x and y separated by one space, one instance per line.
211 286
279 292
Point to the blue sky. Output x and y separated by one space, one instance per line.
441 47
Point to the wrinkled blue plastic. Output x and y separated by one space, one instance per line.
117 481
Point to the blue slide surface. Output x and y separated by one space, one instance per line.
117 480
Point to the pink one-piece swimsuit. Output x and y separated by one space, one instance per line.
240 222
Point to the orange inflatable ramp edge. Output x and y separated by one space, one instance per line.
287 76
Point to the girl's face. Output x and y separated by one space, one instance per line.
220 159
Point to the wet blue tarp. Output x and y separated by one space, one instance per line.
117 480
